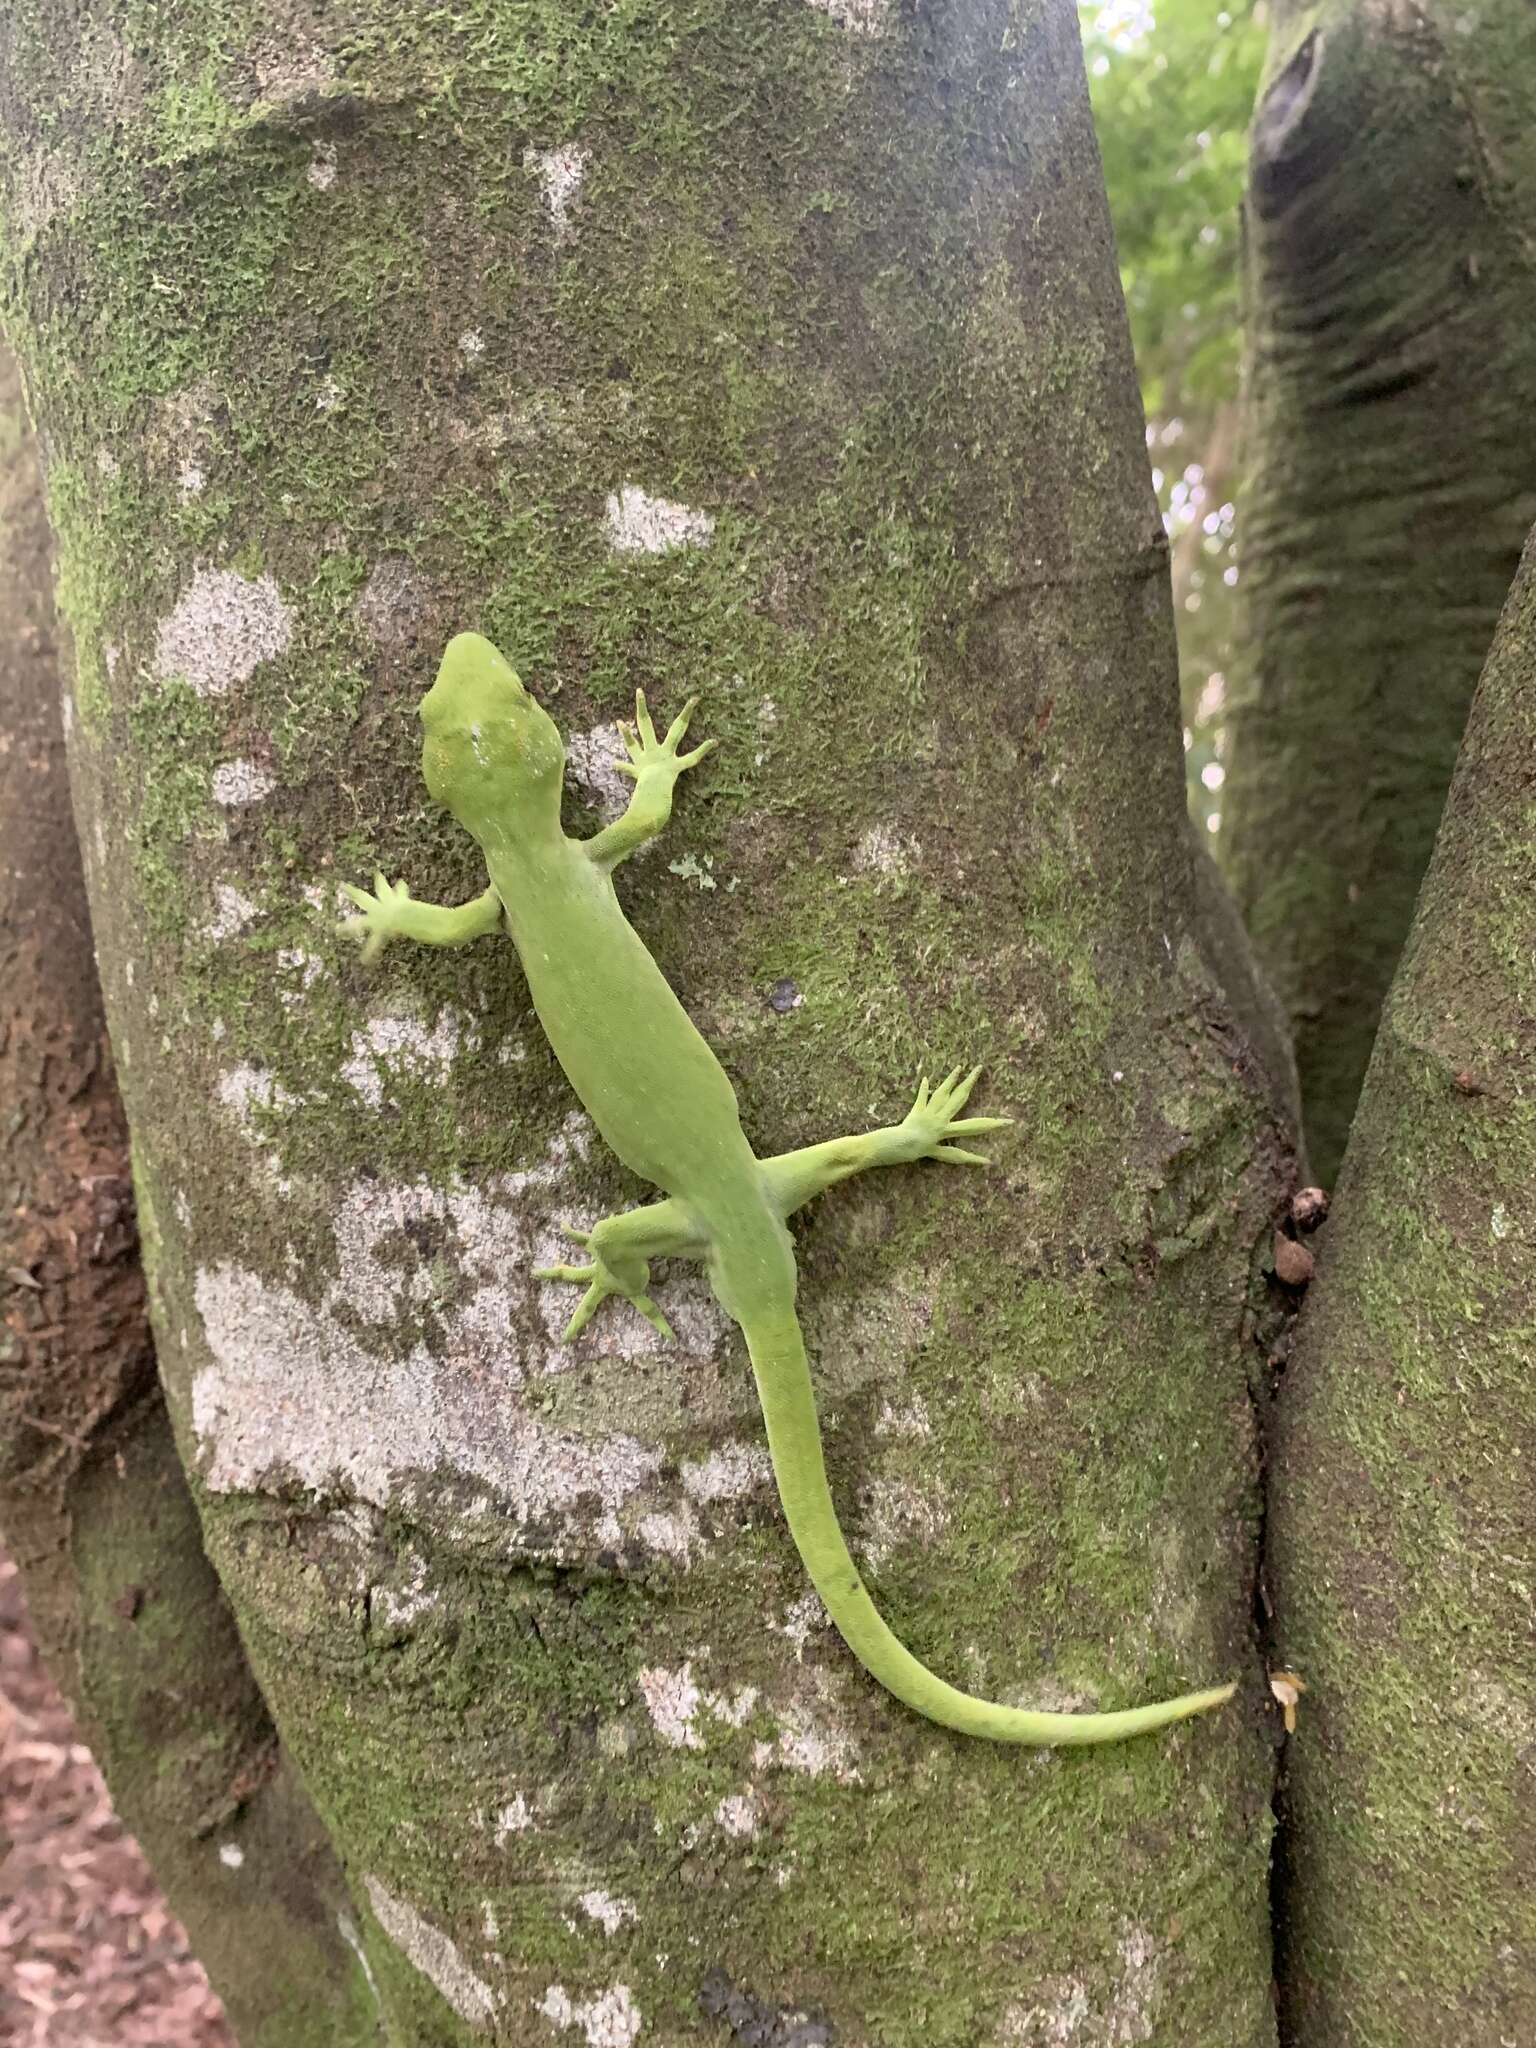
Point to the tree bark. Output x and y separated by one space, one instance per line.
1401 1506
1391 446
774 353
93 1501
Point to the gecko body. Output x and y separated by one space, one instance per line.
665 1106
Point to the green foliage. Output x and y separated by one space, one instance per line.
1172 94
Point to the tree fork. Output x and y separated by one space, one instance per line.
773 353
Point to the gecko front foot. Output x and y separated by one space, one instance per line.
934 1118
627 1277
382 916
652 759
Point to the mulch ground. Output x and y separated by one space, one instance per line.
90 1954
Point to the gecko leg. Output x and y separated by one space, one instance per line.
622 1248
795 1178
654 765
391 912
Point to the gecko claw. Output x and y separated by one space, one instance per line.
654 1316
679 724
586 1308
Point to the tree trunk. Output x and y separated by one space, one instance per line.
1402 1504
93 1502
774 353
1391 394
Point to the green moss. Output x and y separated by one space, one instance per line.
1400 1532
190 119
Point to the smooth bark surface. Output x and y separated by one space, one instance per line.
774 353
1401 1504
93 1502
1391 454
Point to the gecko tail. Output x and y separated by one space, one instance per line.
794 1440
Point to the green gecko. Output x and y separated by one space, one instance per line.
663 1103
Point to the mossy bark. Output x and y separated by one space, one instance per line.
1391 453
1401 1506
774 353
93 1501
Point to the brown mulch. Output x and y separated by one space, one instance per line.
90 1955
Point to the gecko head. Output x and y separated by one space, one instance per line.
489 752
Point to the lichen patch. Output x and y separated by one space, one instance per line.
292 70
559 172
674 1534
391 1046
392 603
515 1818
591 766
236 783
804 1614
397 1407
1062 2013
232 912
911 1420
223 627
408 1600
1491 1704
246 1089
608 1911
434 1955
813 1742
392 1413
46 183
739 1814
639 524
386 1419
672 1700
307 969
859 17
727 1474
882 851
896 1514
611 2020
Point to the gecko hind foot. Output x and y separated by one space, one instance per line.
600 1282
934 1118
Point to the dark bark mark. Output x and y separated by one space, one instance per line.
1281 112
755 2023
